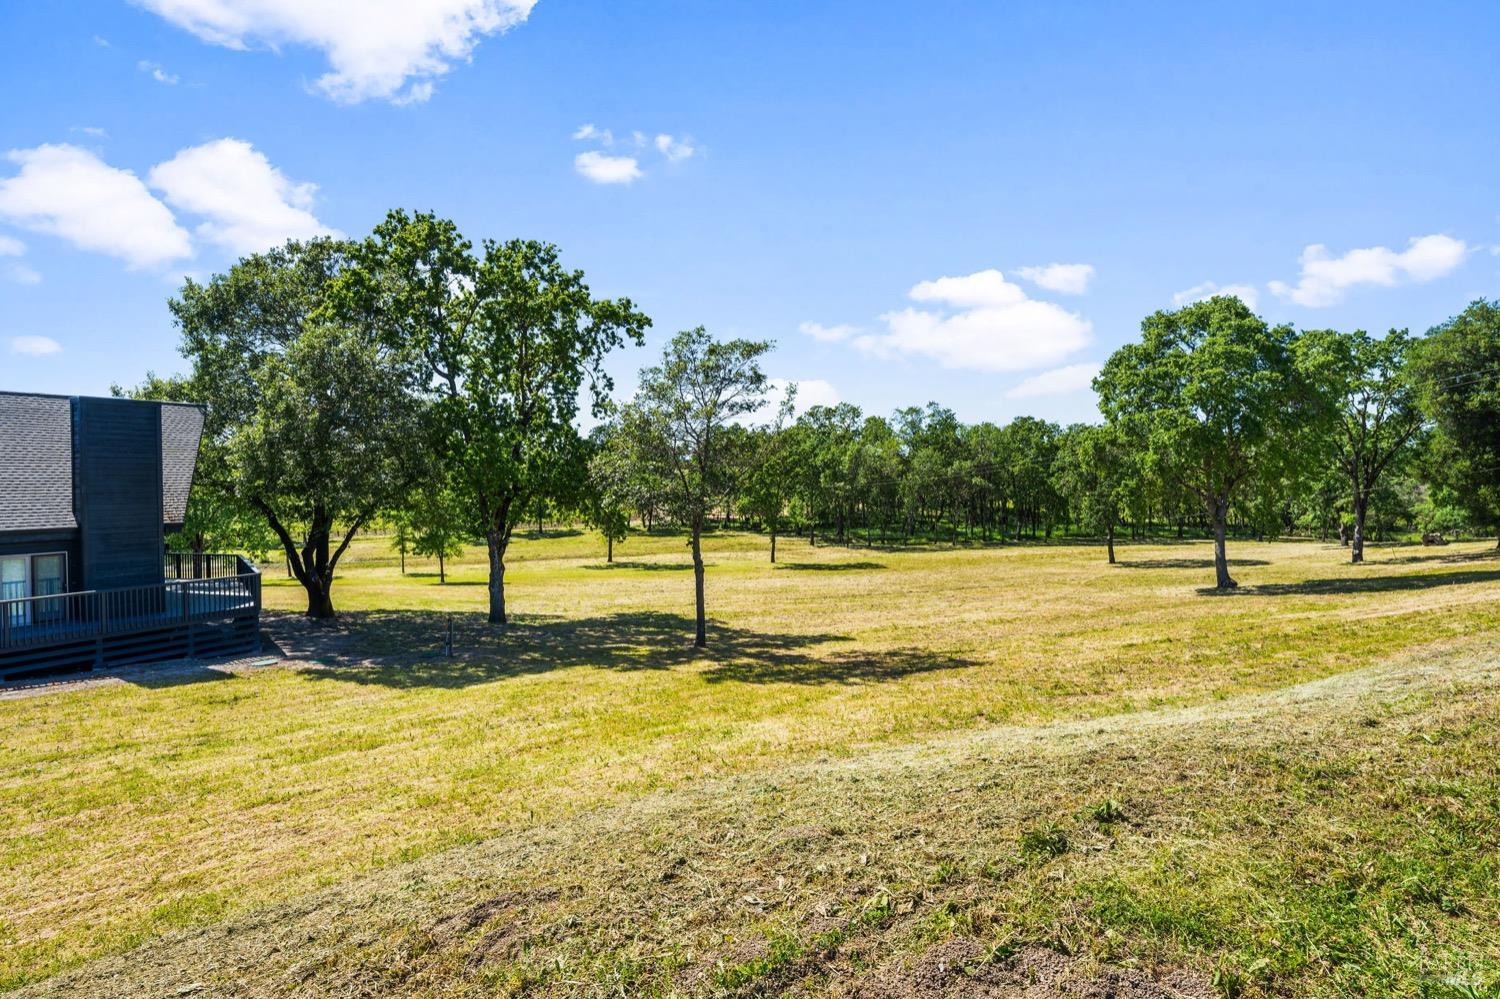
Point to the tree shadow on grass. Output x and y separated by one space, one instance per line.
1183 563
401 649
643 566
1440 557
1357 584
829 566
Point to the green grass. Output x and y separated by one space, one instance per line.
592 735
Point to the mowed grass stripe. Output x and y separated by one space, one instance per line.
130 810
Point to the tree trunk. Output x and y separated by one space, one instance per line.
700 636
773 546
609 548
1219 508
1357 548
319 600
496 540
1110 542
403 561
442 570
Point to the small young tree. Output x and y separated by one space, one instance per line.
771 478
437 524
401 535
1377 419
1211 391
312 413
607 492
1092 471
677 423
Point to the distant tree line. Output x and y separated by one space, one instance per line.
415 380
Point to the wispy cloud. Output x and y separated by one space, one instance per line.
156 72
1058 381
34 346
674 149
1069 279
1326 279
1244 292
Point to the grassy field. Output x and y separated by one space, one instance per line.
1289 789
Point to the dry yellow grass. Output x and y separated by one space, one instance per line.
138 808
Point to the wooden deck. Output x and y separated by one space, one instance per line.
208 605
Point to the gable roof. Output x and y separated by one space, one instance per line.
36 462
181 430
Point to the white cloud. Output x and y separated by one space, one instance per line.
157 73
65 191
589 131
248 205
829 334
92 131
810 392
386 49
1058 381
983 323
34 346
674 149
1244 292
603 169
1325 279
1070 279
15 270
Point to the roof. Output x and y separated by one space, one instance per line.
36 460
181 429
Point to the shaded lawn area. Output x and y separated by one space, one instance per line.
133 809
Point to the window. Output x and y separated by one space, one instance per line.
24 576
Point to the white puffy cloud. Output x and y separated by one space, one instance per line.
247 204
810 392
829 334
386 49
11 247
156 72
1058 381
1326 279
34 346
674 149
65 191
981 322
602 168
1244 292
1070 279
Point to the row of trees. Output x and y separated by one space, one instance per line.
416 379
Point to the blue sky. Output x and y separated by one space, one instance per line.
879 188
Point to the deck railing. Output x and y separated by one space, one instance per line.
228 587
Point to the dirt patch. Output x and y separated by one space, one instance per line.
965 969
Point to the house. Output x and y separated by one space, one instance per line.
89 488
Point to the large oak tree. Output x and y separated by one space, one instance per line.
308 412
1214 397
506 339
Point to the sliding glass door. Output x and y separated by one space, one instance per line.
15 582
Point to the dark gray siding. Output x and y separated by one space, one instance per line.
118 492
36 467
